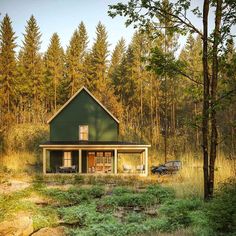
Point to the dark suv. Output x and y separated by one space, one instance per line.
169 167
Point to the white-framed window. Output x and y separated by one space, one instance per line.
67 159
83 132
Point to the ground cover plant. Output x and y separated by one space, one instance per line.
104 209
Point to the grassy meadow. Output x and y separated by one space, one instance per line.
115 205
110 205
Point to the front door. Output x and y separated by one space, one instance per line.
91 162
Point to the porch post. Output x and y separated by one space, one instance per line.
146 162
44 160
80 161
115 161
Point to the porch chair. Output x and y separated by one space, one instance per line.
127 169
140 168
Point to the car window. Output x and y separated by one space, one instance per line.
168 164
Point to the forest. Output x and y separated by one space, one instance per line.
180 98
164 110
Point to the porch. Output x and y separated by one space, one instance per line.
95 159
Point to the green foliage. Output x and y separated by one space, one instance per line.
75 56
164 63
162 194
221 210
177 212
97 191
30 64
121 190
74 195
7 70
54 71
13 203
45 217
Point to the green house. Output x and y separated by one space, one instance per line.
84 138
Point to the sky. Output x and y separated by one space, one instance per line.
64 16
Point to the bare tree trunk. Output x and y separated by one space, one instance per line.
197 131
165 119
214 81
205 111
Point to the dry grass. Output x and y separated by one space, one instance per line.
19 162
189 181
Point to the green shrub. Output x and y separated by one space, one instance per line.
162 194
177 212
134 217
221 210
157 224
97 191
130 200
121 190
63 197
84 215
200 223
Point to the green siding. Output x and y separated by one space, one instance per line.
75 158
56 160
83 110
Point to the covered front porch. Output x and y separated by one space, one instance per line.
95 159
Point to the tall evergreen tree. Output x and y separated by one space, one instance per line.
116 58
99 60
7 67
54 69
75 58
32 68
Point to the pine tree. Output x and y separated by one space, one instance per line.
54 69
7 68
99 56
32 68
75 58
116 58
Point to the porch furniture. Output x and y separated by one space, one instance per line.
140 168
67 169
127 168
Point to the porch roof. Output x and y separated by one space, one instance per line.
101 144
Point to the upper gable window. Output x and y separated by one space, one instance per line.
83 132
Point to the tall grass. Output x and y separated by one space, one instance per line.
189 180
19 162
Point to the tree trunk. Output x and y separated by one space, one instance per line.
205 111
197 131
213 96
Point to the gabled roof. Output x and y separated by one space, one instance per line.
73 97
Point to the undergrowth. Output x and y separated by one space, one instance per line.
120 211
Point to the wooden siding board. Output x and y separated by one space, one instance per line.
83 110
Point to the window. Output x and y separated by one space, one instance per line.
83 132
67 159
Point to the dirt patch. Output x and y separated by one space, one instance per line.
38 200
12 186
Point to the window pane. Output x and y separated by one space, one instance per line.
67 159
83 132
